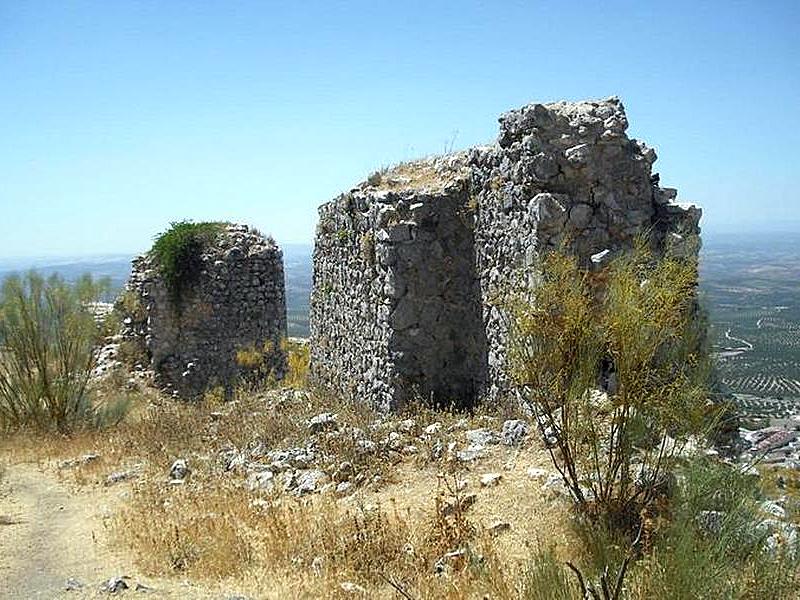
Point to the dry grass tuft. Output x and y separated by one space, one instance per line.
431 174
180 531
298 356
208 534
403 530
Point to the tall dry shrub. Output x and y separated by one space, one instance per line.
614 364
47 340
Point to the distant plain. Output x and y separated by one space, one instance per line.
750 285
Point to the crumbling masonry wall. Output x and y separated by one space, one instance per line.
565 175
408 265
237 302
394 311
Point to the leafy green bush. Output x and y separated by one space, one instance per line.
47 340
178 253
631 331
682 558
690 561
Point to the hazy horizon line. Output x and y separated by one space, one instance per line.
66 257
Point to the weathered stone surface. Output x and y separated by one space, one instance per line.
73 585
538 473
308 481
119 476
498 527
322 422
394 310
710 521
481 436
261 480
114 585
237 302
452 561
514 432
490 479
179 469
408 266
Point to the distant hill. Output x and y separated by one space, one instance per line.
117 267
297 269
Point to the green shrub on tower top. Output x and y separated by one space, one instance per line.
178 253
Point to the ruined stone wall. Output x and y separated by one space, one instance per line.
451 234
349 321
236 302
564 176
394 311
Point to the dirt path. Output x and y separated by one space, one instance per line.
50 533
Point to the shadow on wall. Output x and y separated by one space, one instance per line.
437 341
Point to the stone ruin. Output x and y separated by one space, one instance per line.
236 302
407 264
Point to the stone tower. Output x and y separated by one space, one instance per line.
237 302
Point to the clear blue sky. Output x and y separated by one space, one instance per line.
118 117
